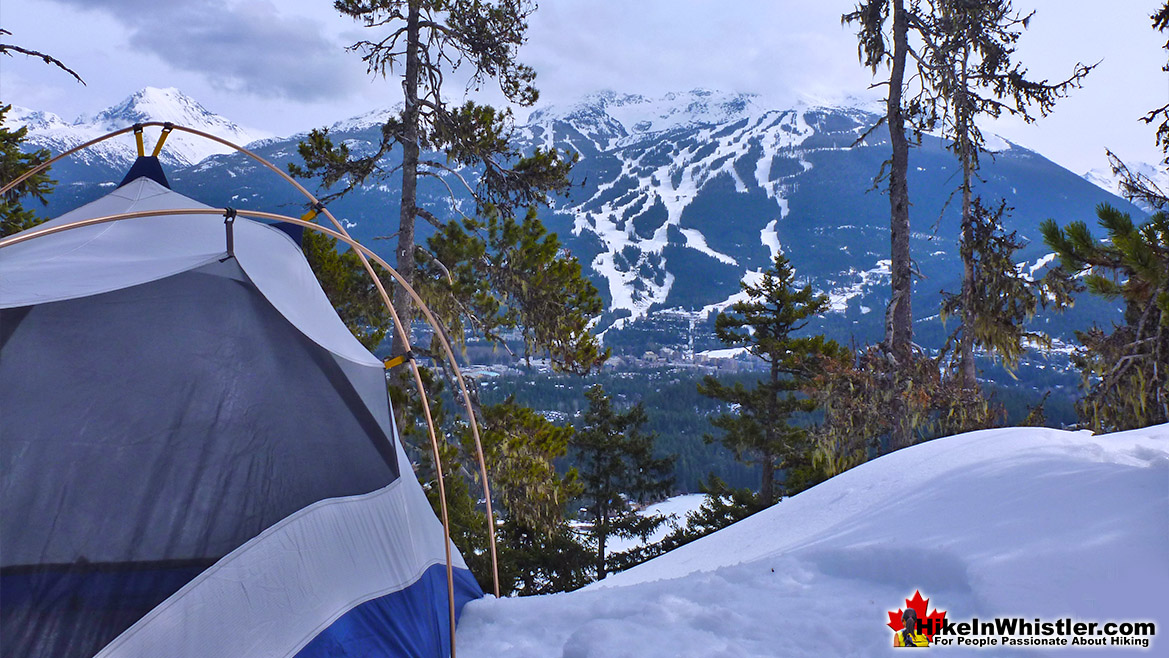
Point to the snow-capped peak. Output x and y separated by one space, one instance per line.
1105 179
154 104
639 114
33 119
146 105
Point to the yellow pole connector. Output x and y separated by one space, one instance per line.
398 360
166 129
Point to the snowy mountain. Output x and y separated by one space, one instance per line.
115 156
679 198
1012 523
1107 180
687 195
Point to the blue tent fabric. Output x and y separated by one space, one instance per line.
197 457
361 631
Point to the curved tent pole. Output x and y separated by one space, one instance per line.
81 223
344 236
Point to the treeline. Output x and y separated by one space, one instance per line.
560 490
676 413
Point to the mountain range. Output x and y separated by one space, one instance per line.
675 201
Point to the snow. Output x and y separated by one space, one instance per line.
725 353
838 298
637 115
751 278
1039 264
771 239
1026 522
697 241
730 128
996 144
148 104
1105 179
674 509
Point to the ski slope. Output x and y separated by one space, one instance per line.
1025 522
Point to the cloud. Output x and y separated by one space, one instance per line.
783 50
245 47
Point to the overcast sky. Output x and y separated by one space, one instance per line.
280 67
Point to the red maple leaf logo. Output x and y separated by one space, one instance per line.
929 623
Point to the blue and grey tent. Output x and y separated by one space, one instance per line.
196 457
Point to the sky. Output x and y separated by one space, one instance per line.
281 67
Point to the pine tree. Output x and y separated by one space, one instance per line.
1126 371
1001 296
425 39
1135 186
617 465
758 430
722 507
14 162
964 64
520 447
538 550
509 275
874 50
858 392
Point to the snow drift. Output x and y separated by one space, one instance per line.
1023 522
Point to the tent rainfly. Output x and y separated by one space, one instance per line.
197 459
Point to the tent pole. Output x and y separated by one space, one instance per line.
362 253
37 233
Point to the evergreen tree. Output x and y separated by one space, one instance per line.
520 447
758 430
1135 186
617 465
857 393
348 287
965 68
872 17
509 274
14 162
722 507
1127 370
1001 296
538 550
425 39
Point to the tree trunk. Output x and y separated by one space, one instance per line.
767 485
967 371
403 305
602 521
767 490
899 325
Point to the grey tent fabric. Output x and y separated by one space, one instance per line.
249 420
105 257
196 454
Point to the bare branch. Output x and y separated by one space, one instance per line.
8 49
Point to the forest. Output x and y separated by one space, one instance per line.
574 451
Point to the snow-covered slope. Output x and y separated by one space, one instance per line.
676 200
1107 180
49 131
1000 523
674 509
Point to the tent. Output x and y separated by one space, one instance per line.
196 457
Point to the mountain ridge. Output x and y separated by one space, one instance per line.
679 198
